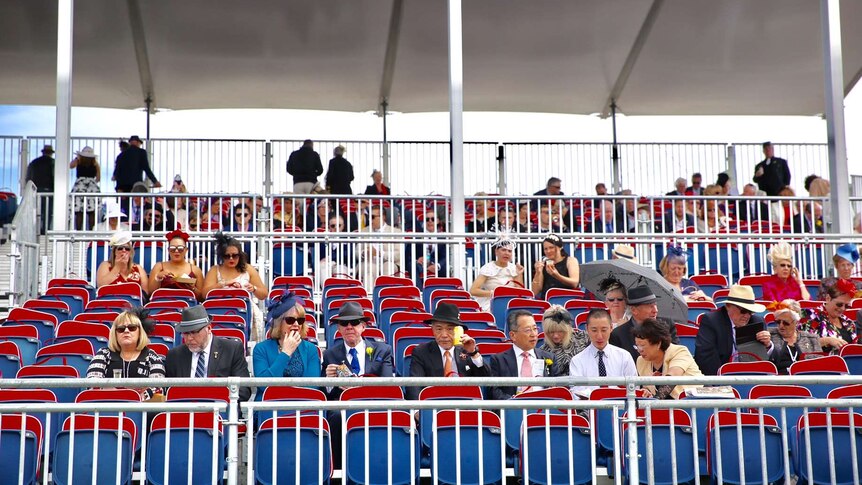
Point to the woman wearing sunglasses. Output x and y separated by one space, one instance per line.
828 321
615 300
285 353
120 268
786 282
127 354
177 271
790 344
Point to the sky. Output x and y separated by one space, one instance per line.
496 127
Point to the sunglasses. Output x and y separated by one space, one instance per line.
784 323
616 299
131 328
352 323
231 256
840 304
176 249
785 265
333 226
242 214
292 320
123 248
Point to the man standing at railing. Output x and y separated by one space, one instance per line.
131 165
305 166
772 174
41 173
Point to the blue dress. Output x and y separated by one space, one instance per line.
269 361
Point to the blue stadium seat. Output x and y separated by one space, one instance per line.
468 449
723 429
843 438
666 450
109 434
202 449
400 448
15 429
566 465
315 454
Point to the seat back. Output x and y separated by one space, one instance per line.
114 439
115 395
10 359
446 393
567 465
287 448
726 447
515 417
194 449
672 444
26 337
95 333
470 438
77 353
398 448
754 368
839 450
17 430
130 292
45 323
829 365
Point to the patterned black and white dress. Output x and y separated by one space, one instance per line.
86 182
107 364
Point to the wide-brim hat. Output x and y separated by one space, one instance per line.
624 251
349 312
120 238
193 318
743 297
640 295
135 138
446 313
849 252
86 152
47 149
113 211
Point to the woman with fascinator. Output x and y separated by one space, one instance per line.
828 321
790 344
127 354
177 271
500 272
285 353
674 268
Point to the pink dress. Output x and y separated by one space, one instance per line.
776 290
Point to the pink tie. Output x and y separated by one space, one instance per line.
526 367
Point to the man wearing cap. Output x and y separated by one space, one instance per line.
40 171
130 166
204 355
716 338
446 356
305 166
642 304
354 356
523 359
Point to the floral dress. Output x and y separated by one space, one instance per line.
817 322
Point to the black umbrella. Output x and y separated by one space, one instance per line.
671 303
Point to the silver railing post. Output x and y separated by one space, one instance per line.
24 151
267 169
631 418
233 433
730 157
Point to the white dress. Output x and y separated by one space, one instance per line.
495 276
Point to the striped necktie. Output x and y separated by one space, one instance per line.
201 369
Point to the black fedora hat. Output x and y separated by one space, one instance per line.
640 295
446 313
194 318
349 312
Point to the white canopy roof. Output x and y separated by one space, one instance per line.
565 56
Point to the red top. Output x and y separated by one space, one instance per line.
776 290
134 277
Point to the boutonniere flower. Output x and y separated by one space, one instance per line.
369 351
548 364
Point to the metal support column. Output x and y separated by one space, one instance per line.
615 151
267 169
830 18
730 160
23 163
384 106
233 433
501 169
632 433
65 27
456 129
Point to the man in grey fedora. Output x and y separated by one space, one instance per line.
444 357
642 305
204 355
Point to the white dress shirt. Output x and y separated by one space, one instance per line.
360 355
618 363
206 354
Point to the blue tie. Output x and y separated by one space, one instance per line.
354 361
200 369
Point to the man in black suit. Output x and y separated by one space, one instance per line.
204 355
716 339
642 304
523 359
444 357
676 219
772 174
751 210
354 356
131 165
679 187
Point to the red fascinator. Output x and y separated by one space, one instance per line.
846 286
177 233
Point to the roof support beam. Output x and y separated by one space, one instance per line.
139 38
391 53
631 59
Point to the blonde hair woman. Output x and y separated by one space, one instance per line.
561 337
786 281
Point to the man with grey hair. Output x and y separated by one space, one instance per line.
751 210
523 359
680 187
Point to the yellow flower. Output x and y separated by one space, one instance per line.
369 350
549 362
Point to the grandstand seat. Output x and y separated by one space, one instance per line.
401 319
784 391
42 396
96 333
287 393
666 450
228 306
850 391
532 305
290 282
567 465
709 283
305 437
436 393
696 308
398 292
131 292
720 296
829 365
77 353
515 417
587 252
470 438
852 355
819 427
385 281
73 283
478 320
724 258
57 308
396 445
159 348
464 306
194 449
174 294
105 433
97 395
26 337
10 359
438 283
391 305
559 296
97 252
164 333
700 418
331 294
687 335
500 301
45 323
227 321
118 305
488 335
576 307
76 298
288 259
755 368
231 333
148 254
756 283
21 435
105 318
404 337
738 436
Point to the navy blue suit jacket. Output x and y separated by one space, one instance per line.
379 363
505 364
714 343
427 362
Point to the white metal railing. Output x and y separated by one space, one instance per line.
669 445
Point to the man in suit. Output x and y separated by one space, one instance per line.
444 357
677 219
751 210
642 304
523 359
772 174
679 187
354 356
204 355
716 339
696 187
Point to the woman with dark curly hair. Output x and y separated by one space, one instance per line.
828 321
659 357
233 271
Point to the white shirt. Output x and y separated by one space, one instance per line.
618 363
206 354
360 355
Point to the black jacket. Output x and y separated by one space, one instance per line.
427 362
622 336
226 359
339 175
130 167
714 343
776 176
304 164
505 364
41 173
